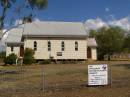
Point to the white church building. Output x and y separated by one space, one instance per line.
57 40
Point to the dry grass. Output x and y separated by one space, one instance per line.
64 80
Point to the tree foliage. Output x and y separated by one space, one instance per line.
127 42
28 56
2 55
92 33
5 5
109 40
38 3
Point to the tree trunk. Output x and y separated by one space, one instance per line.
2 18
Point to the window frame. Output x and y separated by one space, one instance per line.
76 46
35 46
62 46
49 45
12 48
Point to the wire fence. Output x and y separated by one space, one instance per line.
15 80
40 79
19 79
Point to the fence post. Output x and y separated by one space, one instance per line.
43 79
110 75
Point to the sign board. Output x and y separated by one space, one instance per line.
59 53
97 74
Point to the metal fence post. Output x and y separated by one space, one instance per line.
43 79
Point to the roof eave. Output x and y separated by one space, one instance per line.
55 36
14 43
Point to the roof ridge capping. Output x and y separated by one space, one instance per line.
56 22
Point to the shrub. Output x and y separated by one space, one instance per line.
28 56
47 61
2 56
11 59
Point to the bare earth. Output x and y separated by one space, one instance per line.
63 80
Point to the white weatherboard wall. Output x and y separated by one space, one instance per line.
94 53
15 51
69 53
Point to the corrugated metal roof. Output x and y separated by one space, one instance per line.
14 35
38 28
55 28
91 42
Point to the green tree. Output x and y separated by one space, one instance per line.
127 42
109 41
38 3
28 56
2 55
8 4
92 33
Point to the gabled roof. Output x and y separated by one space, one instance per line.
46 29
14 35
91 42
39 28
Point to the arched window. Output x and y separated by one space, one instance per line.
49 46
35 46
76 46
62 46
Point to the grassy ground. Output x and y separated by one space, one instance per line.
62 80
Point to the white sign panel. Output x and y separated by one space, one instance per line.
98 74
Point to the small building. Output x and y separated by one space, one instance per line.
91 49
120 57
57 40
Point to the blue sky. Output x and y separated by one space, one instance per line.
94 13
81 10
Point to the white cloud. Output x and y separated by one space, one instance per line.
97 23
124 23
37 20
17 22
107 9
